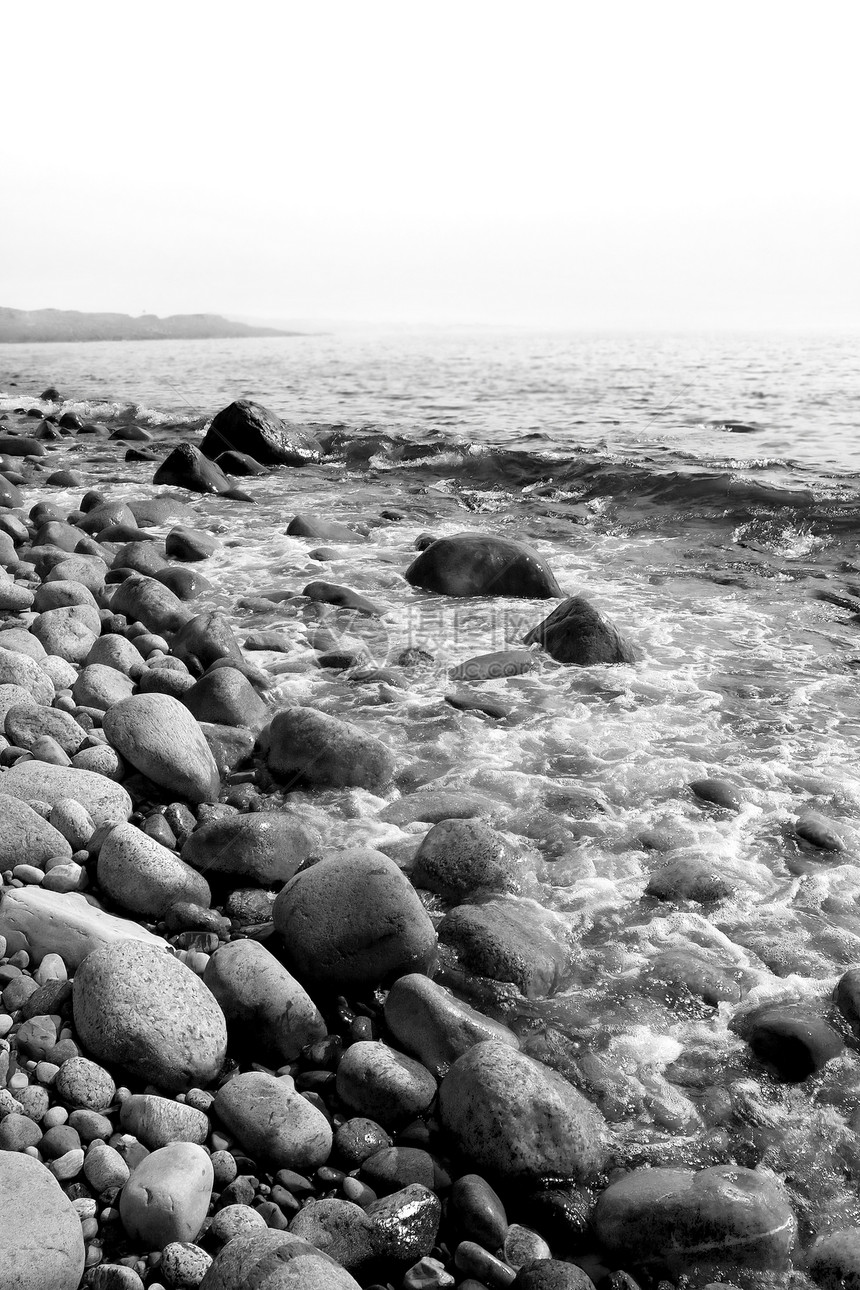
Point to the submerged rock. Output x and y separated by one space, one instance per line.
478 564
576 633
187 467
508 940
247 427
790 1038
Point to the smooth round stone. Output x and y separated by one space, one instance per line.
67 1166
477 1262
167 1197
353 921
161 739
480 564
233 1221
84 1085
688 878
378 1082
101 687
478 1212
434 1026
113 650
359 1138
57 1140
516 1118
100 760
458 857
106 801
273 1260
41 1243
184 1265
139 1007
258 995
718 792
23 671
396 1167
144 877
73 821
726 1215
104 1168
553 1274
57 593
507 939
26 837
69 633
18 1132
821 832
301 744
156 1121
266 846
273 1122
339 1228
226 697
791 1039
523 1246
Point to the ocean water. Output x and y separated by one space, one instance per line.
703 492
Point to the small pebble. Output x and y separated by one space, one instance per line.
184 1265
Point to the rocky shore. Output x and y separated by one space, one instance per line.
235 1052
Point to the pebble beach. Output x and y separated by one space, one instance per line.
322 965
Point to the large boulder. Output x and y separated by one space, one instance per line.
187 467
273 1122
683 1220
478 564
353 922
272 1260
576 633
516 1119
65 923
144 1010
40 781
302 745
144 877
252 429
262 1001
161 739
41 1243
267 847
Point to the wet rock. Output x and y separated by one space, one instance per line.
167 1196
329 593
820 832
406 1223
266 847
678 1219
37 781
226 698
834 1260
160 738
41 1243
790 1038
376 1081
26 837
231 746
686 878
156 1121
183 543
204 640
353 921
187 467
508 940
274 1260
552 1274
141 557
459 857
478 564
239 463
322 530
434 805
144 877
339 1228
149 601
686 971
495 666
429 1022
301 744
184 583
46 922
516 1119
273 1122
477 1212
576 633
719 792
357 1139
247 427
847 998
393 1168
142 1009
257 994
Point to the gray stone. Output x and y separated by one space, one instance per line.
160 738
37 781
101 687
376 1081
142 1009
516 1119
148 601
41 1244
258 995
265 846
273 1122
47 922
406 1222
27 722
144 877
479 564
459 857
25 836
167 1197
69 633
303 745
434 1026
576 633
339 1228
275 1261
834 1260
157 1121
509 940
113 650
25 672
84 1085
226 698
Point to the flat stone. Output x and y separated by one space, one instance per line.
479 564
47 922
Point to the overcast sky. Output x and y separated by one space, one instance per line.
562 164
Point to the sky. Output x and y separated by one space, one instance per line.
661 164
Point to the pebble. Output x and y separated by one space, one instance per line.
232 1221
104 1168
84 1085
184 1265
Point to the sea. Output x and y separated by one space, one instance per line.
703 491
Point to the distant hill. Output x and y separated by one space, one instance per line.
68 324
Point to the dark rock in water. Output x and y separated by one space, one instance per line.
459 857
51 395
141 557
820 832
266 846
141 454
132 434
186 584
516 1119
239 463
464 701
231 746
329 593
20 446
494 667
685 971
834 1260
478 564
719 792
275 1261
186 467
679 1220
10 494
311 526
238 495
149 511
203 640
301 744
685 878
71 421
847 998
323 554
250 428
576 633
552 1274
434 805
190 544
150 602
508 940
790 1038
353 921
226 698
